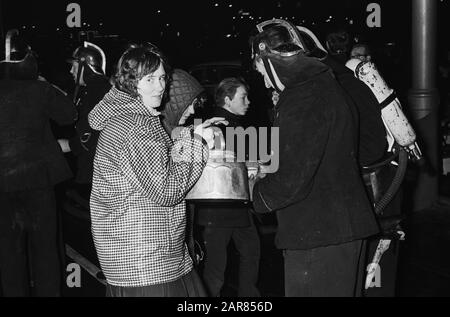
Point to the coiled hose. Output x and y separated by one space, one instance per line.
396 182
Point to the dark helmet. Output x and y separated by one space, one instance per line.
284 40
90 55
19 61
312 43
302 37
277 40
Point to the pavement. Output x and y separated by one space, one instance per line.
423 269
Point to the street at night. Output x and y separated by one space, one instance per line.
224 148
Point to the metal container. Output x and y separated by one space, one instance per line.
223 179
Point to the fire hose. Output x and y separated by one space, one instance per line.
397 180
384 243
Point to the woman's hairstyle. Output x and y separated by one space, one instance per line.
227 88
135 63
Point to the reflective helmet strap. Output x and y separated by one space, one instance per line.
78 81
102 54
270 73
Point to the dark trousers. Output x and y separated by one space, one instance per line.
330 271
246 241
29 243
186 286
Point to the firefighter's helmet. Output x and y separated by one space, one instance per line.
92 56
288 35
19 61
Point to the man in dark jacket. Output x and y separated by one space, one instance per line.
372 143
322 209
228 222
372 148
31 163
91 85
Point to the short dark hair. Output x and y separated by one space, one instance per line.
227 88
135 63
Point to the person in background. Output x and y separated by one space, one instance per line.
224 222
31 164
378 178
186 98
185 102
361 52
338 43
91 85
372 144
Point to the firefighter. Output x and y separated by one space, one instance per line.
31 164
91 84
317 193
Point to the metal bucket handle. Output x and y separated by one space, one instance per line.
218 133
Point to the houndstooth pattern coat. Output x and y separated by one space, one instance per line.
137 203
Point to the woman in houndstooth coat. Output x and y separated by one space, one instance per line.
140 180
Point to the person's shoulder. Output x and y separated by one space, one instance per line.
40 83
125 127
217 111
27 84
139 124
214 111
36 87
101 80
44 86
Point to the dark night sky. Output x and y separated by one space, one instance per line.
195 31
141 16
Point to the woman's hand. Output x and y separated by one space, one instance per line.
206 130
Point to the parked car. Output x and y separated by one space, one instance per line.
212 73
